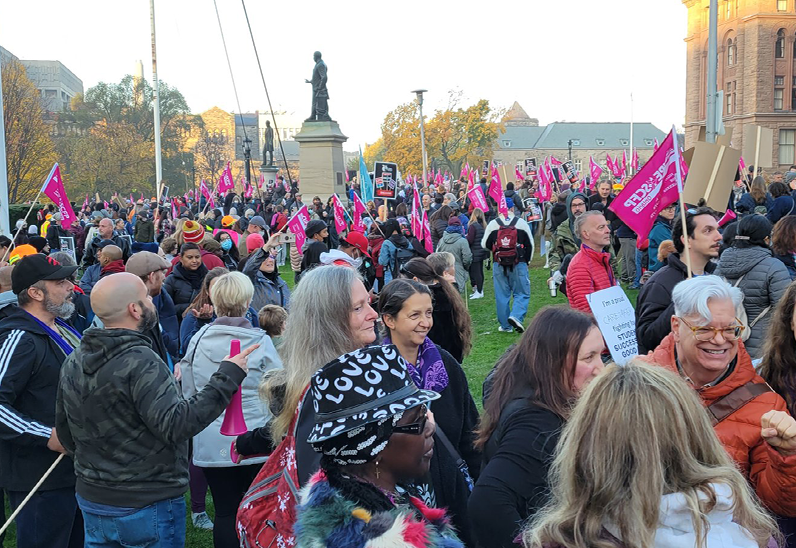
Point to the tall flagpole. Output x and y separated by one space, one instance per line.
630 158
158 161
4 212
710 120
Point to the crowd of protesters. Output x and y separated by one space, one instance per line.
117 365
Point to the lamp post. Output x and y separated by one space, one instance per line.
569 144
419 93
247 158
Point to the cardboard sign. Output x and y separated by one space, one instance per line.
711 175
384 179
569 171
617 321
67 244
530 166
766 153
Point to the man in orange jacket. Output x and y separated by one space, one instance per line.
751 420
590 268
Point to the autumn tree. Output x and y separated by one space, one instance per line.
30 152
211 152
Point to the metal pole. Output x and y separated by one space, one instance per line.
419 93
630 159
710 122
4 213
158 161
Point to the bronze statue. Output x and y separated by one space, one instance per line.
320 95
269 144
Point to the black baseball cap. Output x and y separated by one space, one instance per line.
35 268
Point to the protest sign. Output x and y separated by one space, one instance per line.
617 321
569 171
530 167
711 175
486 166
384 179
758 144
67 243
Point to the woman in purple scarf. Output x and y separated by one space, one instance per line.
406 309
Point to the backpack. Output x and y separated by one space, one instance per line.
504 249
268 510
402 256
740 313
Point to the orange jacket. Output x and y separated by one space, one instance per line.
772 475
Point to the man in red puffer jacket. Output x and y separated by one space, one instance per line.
590 268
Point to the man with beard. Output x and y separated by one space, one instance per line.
120 413
35 340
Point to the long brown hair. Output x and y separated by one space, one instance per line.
542 361
778 367
758 190
443 213
783 237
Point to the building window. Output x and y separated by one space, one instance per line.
648 142
782 5
624 142
578 165
506 144
779 46
778 95
787 138
601 142
575 142
729 102
779 80
793 100
730 52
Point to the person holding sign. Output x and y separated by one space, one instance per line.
750 419
590 269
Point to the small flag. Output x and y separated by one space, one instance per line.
595 171
53 188
365 185
297 224
359 208
225 182
339 215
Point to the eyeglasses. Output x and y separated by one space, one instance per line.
416 428
705 333
578 204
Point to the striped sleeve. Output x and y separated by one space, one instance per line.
17 358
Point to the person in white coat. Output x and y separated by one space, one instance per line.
638 464
231 295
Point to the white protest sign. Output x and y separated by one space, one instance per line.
617 321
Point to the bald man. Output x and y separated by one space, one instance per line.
111 261
121 415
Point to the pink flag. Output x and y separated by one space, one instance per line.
427 242
595 171
205 191
555 161
248 190
261 181
634 161
297 224
174 212
545 187
518 173
653 188
463 173
54 189
624 161
339 215
417 220
655 145
743 169
496 192
476 195
359 208
347 178
85 202
132 201
105 203
225 182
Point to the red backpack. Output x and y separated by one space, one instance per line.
505 247
268 510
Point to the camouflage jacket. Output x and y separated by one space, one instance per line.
121 416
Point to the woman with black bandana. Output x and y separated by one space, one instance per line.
372 448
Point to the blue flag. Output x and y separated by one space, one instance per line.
365 185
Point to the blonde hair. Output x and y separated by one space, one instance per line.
231 294
178 236
637 433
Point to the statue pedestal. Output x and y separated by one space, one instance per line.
321 160
269 176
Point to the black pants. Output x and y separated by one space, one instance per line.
477 275
50 519
228 485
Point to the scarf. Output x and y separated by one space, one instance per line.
55 336
112 267
430 372
193 277
455 229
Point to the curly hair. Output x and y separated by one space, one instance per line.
778 367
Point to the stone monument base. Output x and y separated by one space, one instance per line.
321 163
269 176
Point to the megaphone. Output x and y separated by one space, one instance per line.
728 217
234 424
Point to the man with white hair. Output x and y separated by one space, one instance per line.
751 420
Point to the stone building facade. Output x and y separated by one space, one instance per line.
756 47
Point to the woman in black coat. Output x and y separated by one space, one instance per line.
475 233
439 223
185 280
527 400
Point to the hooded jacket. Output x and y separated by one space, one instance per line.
765 280
28 386
455 243
589 271
564 240
388 252
661 231
266 290
772 475
144 230
120 414
205 351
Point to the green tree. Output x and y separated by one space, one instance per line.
30 152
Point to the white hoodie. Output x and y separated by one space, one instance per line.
676 527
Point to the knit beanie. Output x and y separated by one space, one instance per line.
193 232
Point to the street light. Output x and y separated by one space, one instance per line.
570 149
419 93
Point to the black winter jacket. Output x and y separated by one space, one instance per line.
54 234
654 306
475 233
91 253
180 289
28 387
120 413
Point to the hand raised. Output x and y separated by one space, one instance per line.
779 431
242 359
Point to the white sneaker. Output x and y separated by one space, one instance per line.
202 521
477 295
509 330
516 324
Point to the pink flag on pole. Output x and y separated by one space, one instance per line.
655 145
359 208
595 172
347 178
132 200
174 212
743 169
634 161
518 173
105 203
427 242
624 161
85 202
545 187
297 224
653 188
417 207
205 191
496 192
476 195
555 161
54 189
225 182
339 215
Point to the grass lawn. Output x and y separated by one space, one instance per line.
488 345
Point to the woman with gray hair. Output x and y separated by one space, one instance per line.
231 295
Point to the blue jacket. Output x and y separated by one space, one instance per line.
661 231
783 206
266 291
387 255
90 278
169 327
746 204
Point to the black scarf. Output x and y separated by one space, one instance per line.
193 277
273 276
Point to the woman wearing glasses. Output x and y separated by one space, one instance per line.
407 309
373 448
750 266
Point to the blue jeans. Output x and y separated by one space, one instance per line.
639 258
161 524
510 283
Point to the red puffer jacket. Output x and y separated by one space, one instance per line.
773 476
589 271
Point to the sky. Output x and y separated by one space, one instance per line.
563 60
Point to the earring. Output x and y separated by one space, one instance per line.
377 469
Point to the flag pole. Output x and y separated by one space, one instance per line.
5 222
32 205
156 91
32 492
679 176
